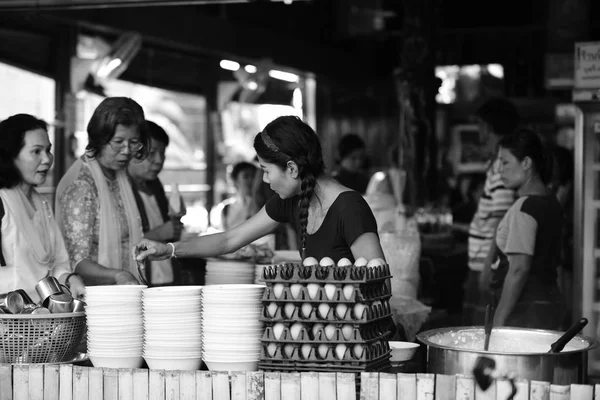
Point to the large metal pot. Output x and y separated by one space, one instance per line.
521 351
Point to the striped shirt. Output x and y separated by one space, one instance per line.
495 201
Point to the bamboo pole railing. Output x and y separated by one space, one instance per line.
69 382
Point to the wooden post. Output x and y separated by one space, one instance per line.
273 386
290 386
6 382
445 387
156 384
220 385
65 372
21 382
125 380
111 383
327 386
489 394
310 385
597 392
36 382
369 385
238 386
465 387
346 386
203 385
582 392
80 383
96 384
407 386
172 385
387 386
425 386
255 385
141 384
187 385
539 390
51 382
560 392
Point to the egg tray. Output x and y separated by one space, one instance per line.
372 312
361 334
296 273
381 366
361 293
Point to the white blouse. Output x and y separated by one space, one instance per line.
161 272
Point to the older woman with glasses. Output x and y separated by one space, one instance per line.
95 204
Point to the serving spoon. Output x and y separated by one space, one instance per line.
489 324
566 337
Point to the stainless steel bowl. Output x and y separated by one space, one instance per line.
521 351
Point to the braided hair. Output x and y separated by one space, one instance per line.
286 139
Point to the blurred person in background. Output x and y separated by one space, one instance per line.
153 204
31 245
233 211
95 204
528 239
497 117
352 158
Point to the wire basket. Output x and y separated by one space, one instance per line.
45 338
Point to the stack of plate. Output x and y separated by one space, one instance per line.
223 272
173 335
231 330
115 329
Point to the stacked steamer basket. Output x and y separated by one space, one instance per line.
326 317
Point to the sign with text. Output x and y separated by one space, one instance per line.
587 65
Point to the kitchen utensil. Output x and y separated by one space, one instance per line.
78 305
11 302
489 322
59 303
47 287
26 299
557 346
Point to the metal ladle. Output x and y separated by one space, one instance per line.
489 324
566 337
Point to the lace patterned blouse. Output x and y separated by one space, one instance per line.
81 208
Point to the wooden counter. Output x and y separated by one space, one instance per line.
68 382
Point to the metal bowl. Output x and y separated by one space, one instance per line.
521 351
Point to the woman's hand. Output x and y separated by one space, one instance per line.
76 286
125 278
152 250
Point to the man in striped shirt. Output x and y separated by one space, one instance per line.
497 117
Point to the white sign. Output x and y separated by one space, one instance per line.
587 65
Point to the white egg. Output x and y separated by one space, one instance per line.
313 290
376 262
329 331
326 261
289 310
347 331
296 289
340 310
316 329
330 290
271 349
359 308
288 349
324 310
348 291
295 330
305 349
340 350
360 262
323 348
310 261
344 262
278 330
306 310
358 350
272 309
278 290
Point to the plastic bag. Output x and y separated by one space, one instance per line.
410 313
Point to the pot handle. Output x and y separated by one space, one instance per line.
560 344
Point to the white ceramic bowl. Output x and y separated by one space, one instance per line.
116 362
231 366
402 351
189 364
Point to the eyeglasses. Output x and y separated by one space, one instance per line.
134 145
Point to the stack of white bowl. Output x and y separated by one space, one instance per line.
173 334
223 272
114 321
231 329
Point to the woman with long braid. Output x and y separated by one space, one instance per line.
330 219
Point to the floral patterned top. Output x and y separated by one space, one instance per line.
81 222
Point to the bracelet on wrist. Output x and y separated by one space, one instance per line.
172 250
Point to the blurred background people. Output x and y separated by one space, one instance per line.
352 158
497 117
32 246
528 239
153 205
95 204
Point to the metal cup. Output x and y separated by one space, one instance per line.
47 287
35 310
11 302
78 305
28 301
60 303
